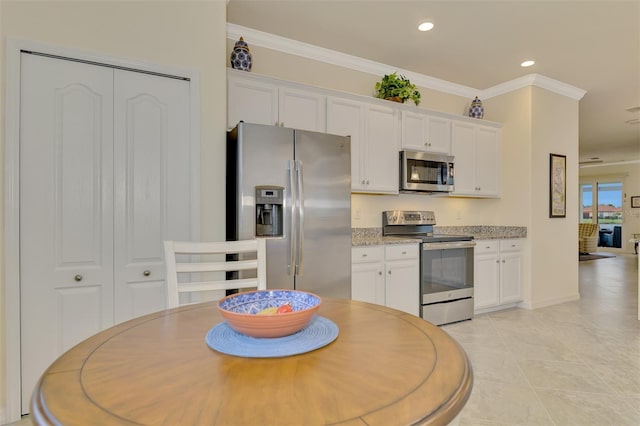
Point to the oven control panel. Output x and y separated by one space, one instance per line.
408 217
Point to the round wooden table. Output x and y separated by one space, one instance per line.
385 368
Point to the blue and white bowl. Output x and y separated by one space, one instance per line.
240 311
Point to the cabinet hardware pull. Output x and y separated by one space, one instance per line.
78 278
380 273
389 272
146 273
404 252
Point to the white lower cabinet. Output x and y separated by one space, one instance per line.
387 275
497 274
367 274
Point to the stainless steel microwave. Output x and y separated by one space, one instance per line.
425 172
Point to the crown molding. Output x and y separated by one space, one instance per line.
316 53
537 80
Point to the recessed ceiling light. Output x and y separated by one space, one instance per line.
425 26
527 63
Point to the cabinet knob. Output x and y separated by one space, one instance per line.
404 252
503 261
364 255
146 273
363 181
78 278
389 272
497 261
380 273
367 181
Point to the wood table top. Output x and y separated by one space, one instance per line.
386 367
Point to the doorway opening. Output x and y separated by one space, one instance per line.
602 204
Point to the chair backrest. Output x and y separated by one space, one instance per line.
587 230
186 258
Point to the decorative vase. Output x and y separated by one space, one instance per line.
476 110
241 57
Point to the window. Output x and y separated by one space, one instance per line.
610 203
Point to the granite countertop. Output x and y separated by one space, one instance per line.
373 236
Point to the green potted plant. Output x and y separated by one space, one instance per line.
397 88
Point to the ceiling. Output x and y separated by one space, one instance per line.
592 45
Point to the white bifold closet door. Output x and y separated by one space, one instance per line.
104 178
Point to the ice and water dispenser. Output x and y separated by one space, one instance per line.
269 211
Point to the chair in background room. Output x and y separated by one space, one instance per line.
587 237
189 261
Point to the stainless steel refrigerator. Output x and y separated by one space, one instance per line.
293 188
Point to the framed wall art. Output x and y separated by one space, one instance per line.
557 185
635 202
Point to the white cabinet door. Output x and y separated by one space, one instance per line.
105 176
381 151
424 132
486 287
152 180
477 160
488 161
438 135
298 109
66 209
251 101
463 148
414 131
367 277
367 282
510 277
497 273
346 118
401 290
402 269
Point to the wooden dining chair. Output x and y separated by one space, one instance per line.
196 267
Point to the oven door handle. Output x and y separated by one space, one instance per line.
447 246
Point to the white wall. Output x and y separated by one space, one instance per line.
183 34
554 241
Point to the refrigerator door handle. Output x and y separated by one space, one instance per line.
292 230
299 246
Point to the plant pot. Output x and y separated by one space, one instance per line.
395 99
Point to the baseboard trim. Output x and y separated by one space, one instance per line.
554 301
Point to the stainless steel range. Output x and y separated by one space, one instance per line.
446 266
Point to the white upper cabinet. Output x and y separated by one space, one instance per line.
299 109
256 100
476 149
378 129
379 168
425 132
251 101
374 143
345 117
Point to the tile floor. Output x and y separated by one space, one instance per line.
576 363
